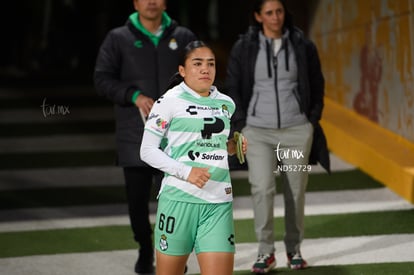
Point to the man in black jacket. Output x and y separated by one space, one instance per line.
132 70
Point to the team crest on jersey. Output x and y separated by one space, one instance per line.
173 44
163 243
225 110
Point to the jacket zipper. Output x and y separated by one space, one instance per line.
277 91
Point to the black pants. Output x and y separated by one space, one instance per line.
138 182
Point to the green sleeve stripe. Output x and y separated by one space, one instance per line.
154 132
171 192
220 175
186 125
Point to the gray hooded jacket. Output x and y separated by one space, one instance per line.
273 103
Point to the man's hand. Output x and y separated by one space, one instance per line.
144 103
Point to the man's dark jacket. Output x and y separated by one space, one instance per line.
128 61
310 93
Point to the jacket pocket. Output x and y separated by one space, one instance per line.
256 100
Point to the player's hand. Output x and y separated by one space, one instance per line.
240 146
199 176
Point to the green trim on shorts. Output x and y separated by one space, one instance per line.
182 227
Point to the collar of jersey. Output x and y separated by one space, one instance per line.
194 93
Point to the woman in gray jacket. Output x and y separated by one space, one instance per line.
274 76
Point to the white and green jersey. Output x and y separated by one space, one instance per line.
193 132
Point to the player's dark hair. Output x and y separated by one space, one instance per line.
177 78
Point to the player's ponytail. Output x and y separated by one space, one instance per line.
174 80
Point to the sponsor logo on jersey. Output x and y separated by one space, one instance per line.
231 239
151 116
207 144
228 190
162 123
159 99
192 110
212 125
204 156
211 157
193 155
